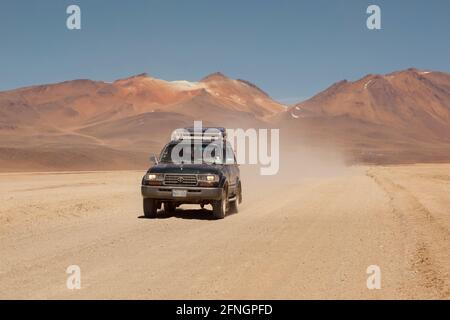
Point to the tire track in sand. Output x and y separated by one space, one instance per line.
428 238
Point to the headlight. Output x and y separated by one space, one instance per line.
208 178
154 177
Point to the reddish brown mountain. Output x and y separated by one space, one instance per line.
399 117
92 121
80 102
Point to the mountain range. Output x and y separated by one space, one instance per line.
394 118
83 124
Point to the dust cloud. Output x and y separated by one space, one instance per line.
297 165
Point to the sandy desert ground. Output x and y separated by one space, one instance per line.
311 237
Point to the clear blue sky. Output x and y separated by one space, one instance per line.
291 49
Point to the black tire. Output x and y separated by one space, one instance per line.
220 207
239 193
234 208
234 205
169 207
150 209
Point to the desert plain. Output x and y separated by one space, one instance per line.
311 236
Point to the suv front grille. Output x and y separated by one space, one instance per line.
180 180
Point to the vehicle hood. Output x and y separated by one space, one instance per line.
186 168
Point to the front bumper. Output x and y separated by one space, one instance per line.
193 194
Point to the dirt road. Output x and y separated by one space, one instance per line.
307 238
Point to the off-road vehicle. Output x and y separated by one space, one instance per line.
212 179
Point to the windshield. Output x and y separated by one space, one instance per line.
197 153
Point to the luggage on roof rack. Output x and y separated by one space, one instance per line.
204 134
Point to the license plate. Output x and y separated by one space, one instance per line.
179 193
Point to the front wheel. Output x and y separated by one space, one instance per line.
150 208
234 205
220 207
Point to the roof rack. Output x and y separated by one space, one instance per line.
205 134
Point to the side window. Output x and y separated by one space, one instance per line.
229 154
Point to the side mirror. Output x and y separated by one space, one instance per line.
154 159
